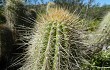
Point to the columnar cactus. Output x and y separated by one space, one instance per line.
7 42
101 37
18 20
14 8
18 16
55 42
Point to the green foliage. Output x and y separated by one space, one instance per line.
92 25
102 59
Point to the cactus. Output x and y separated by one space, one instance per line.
11 12
99 42
6 46
55 42
14 9
18 21
19 17
100 37
51 5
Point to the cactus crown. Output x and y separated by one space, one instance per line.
59 15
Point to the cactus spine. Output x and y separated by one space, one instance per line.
51 44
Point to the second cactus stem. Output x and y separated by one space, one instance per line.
100 38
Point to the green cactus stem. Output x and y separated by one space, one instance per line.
53 42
